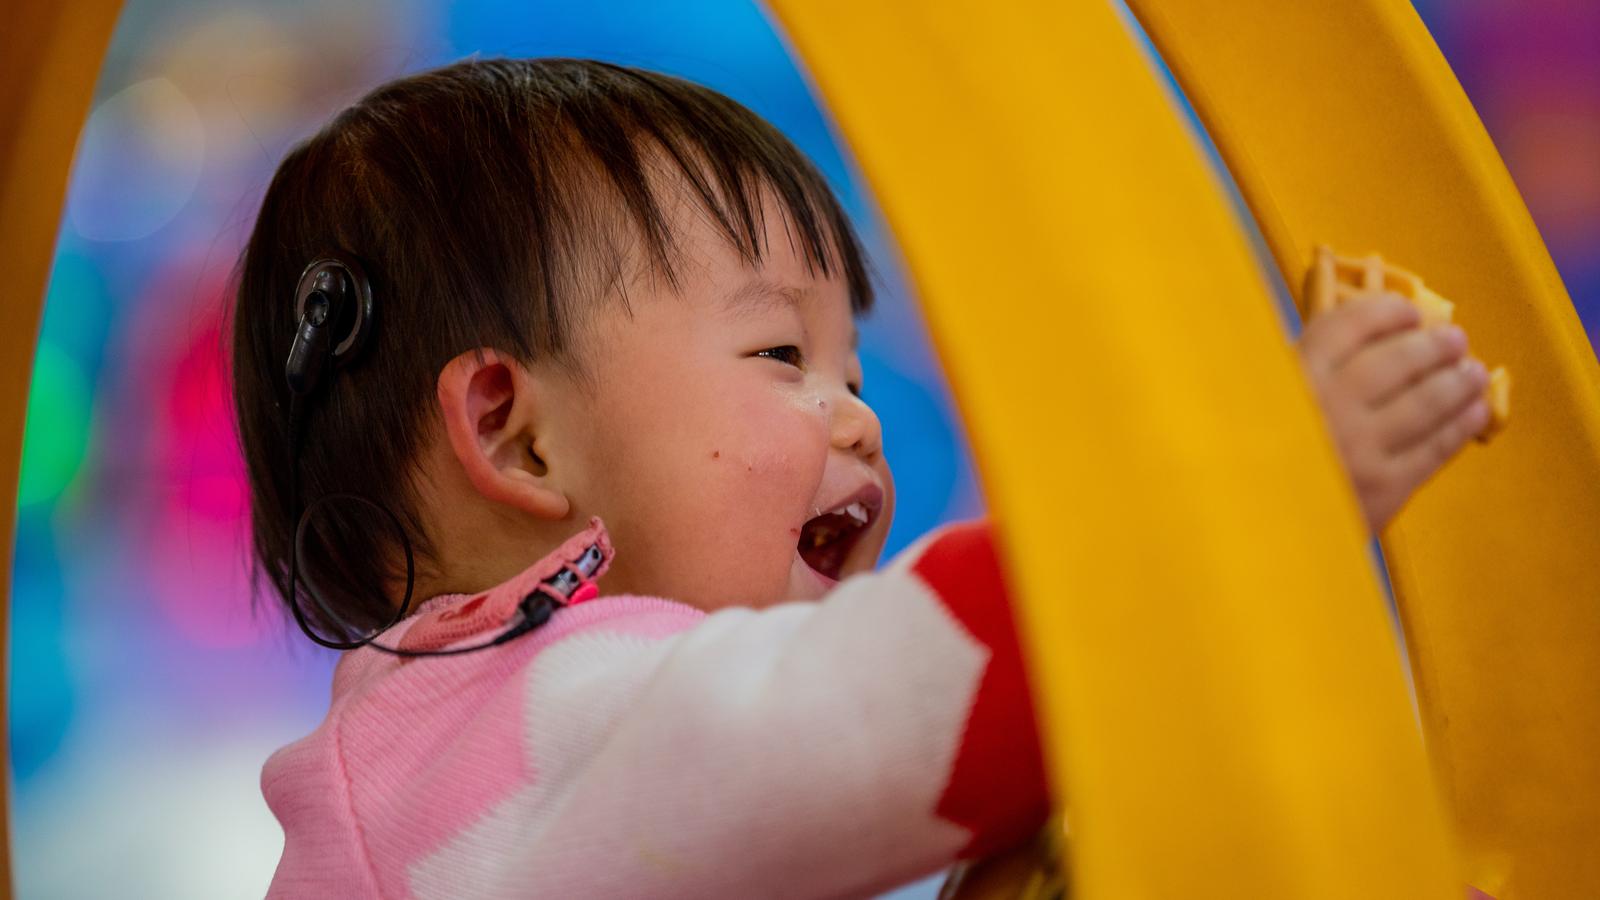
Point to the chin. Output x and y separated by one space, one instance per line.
806 583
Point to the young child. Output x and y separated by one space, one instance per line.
603 295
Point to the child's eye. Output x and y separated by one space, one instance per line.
788 354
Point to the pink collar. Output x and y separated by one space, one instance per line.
449 618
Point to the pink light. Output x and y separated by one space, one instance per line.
198 556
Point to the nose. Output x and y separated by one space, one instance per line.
856 427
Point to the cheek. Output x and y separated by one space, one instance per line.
759 474
765 456
705 482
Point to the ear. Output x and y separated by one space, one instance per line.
490 409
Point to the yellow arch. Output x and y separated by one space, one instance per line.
1223 702
1343 124
49 59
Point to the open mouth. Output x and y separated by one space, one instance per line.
827 539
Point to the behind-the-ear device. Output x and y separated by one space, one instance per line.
334 312
333 303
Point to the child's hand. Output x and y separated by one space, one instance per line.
1400 400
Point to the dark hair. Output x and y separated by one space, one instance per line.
490 203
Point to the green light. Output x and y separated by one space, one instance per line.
56 437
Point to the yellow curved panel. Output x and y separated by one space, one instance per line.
1223 703
50 55
1343 124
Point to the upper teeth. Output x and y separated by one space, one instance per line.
856 511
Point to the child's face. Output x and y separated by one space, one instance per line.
722 428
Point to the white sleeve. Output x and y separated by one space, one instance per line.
799 751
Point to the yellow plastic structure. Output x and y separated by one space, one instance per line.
49 58
1342 124
1224 707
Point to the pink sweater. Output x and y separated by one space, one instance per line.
637 747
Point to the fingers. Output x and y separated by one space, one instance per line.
1418 463
1332 339
1430 405
1383 369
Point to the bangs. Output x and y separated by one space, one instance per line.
729 160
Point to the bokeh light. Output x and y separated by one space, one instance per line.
56 435
142 151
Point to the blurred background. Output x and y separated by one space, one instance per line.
145 694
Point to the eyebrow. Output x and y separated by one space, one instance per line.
759 295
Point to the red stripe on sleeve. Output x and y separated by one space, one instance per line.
997 787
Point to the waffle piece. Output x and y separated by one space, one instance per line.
1335 279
